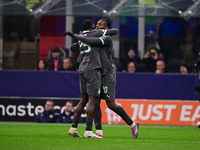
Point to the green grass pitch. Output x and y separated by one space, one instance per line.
39 136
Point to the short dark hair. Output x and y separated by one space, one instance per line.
71 103
87 24
52 102
155 48
186 66
107 22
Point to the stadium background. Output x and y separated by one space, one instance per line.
144 96
23 92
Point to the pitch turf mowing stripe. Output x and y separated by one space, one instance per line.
36 136
121 140
104 125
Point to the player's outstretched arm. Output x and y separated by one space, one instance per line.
69 33
112 31
97 33
94 41
100 32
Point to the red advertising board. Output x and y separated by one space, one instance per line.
155 112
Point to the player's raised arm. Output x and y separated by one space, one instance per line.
112 31
100 32
92 41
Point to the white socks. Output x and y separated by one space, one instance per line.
132 125
74 128
100 132
88 132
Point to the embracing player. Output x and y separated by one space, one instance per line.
108 77
90 78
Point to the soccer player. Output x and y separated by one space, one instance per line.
90 80
108 77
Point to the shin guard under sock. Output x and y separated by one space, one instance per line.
75 122
121 112
89 123
97 118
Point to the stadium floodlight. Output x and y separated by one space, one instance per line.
44 7
104 11
96 6
191 10
120 6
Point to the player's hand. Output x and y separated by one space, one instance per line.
70 33
74 47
